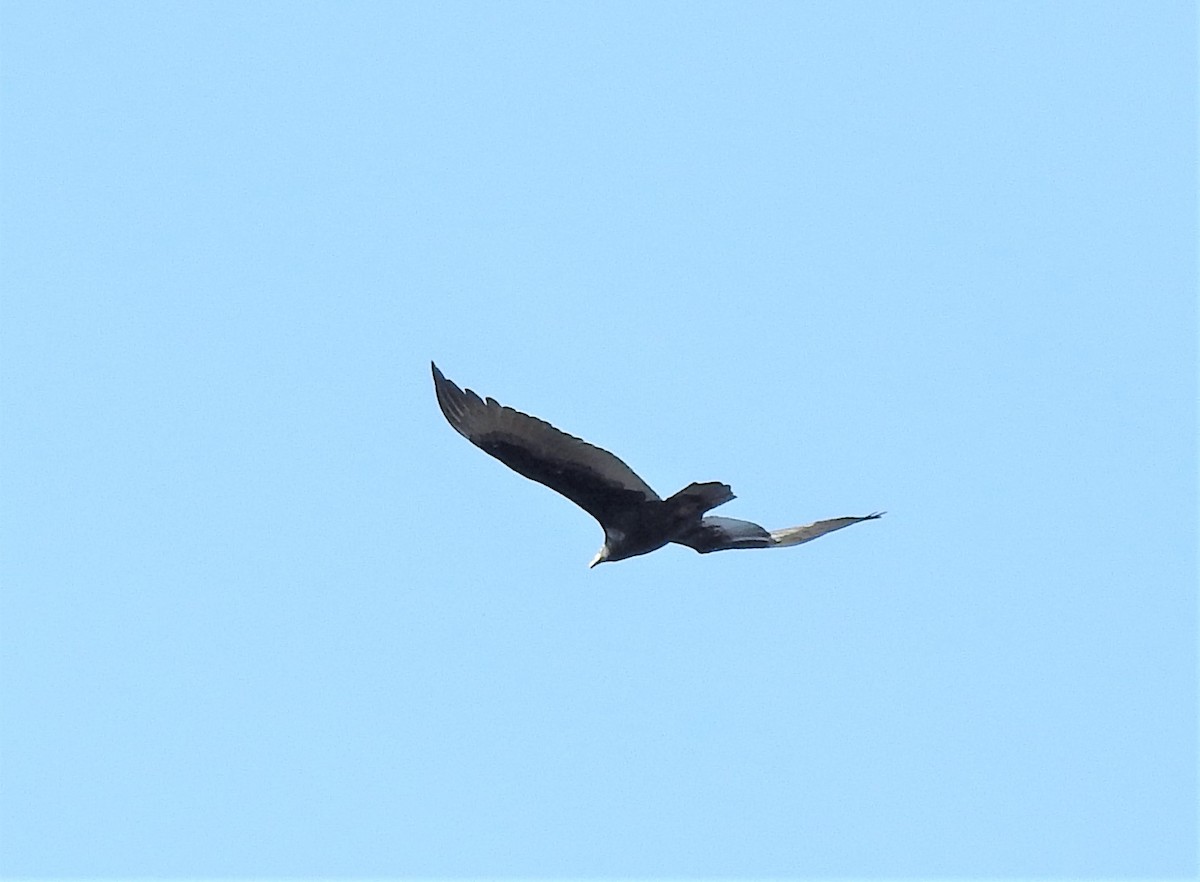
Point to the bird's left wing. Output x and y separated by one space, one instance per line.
592 478
720 534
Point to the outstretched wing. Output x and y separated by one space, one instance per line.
809 532
719 534
592 478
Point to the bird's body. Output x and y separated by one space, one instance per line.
635 519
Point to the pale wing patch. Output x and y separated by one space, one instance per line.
808 532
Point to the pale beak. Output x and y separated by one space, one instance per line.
597 559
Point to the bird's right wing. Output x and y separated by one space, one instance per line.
718 534
721 534
592 478
809 532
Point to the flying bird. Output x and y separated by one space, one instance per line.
635 519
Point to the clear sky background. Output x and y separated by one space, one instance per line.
265 614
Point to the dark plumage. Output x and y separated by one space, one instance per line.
635 519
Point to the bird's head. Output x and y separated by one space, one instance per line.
601 556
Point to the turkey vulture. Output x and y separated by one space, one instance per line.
635 520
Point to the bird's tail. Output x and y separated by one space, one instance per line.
699 498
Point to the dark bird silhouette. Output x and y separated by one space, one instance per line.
635 520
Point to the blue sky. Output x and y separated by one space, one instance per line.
265 614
